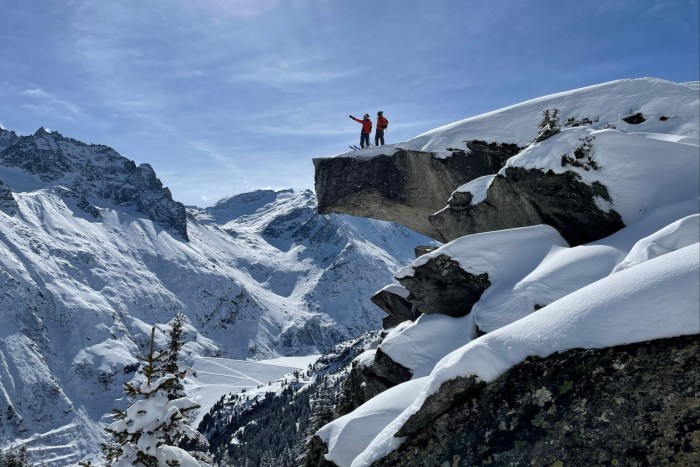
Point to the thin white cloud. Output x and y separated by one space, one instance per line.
239 8
45 103
215 154
282 72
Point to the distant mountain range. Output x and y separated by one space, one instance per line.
94 251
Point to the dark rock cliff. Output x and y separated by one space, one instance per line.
406 186
441 286
365 382
613 406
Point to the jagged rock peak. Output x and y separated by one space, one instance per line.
43 131
7 137
94 171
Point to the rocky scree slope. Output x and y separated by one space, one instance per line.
472 311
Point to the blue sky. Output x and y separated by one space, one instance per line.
227 96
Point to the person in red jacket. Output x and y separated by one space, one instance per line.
382 123
366 130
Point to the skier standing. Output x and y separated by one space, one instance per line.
382 123
366 130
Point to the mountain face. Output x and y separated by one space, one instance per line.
93 172
94 251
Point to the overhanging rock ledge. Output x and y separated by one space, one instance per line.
405 186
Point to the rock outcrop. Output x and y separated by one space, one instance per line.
595 172
526 197
365 382
406 186
442 286
609 406
8 204
396 306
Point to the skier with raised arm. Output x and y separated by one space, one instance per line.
366 130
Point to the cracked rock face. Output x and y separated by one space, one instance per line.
628 405
441 286
527 197
405 187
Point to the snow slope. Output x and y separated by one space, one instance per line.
217 377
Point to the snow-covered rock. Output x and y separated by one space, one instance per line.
578 181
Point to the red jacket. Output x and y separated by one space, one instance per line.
366 124
382 122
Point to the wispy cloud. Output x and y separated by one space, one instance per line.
215 154
239 8
283 72
44 103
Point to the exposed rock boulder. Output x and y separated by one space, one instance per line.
635 119
633 405
529 197
315 451
423 249
388 370
442 286
395 305
406 186
365 382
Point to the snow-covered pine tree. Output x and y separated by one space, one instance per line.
140 433
549 126
172 355
15 457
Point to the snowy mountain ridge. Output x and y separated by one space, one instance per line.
92 254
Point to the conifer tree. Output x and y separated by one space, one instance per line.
549 126
147 433
15 457
170 364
